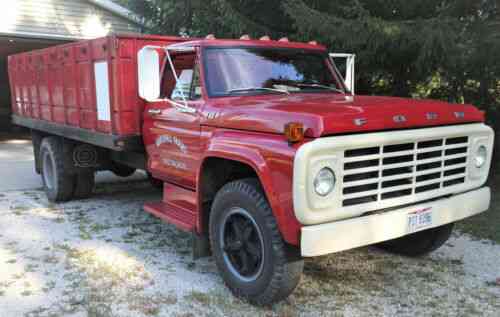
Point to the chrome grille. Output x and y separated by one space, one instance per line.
390 171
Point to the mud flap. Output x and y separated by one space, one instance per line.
200 246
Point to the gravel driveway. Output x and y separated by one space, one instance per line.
106 257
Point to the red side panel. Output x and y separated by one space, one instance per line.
43 86
85 90
101 52
33 89
70 84
59 84
55 76
25 97
126 106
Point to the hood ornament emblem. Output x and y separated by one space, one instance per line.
431 115
399 119
360 121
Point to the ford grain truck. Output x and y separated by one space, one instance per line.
264 152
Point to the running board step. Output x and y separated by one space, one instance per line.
180 217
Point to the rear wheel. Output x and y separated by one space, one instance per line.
419 243
84 184
57 182
252 257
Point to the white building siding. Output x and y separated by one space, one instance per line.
61 19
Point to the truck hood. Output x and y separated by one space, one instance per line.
328 114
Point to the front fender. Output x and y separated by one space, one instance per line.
271 157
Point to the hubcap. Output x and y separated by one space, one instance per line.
48 170
242 244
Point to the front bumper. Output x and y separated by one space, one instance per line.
365 230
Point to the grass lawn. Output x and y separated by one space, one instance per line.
487 224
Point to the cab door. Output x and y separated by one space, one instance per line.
172 126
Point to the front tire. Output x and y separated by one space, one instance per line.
419 243
58 183
254 261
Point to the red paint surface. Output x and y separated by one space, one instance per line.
57 84
329 114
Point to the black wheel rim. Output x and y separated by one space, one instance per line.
242 245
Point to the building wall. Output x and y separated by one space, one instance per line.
61 18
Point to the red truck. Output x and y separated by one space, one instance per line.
264 152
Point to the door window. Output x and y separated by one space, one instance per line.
188 85
182 88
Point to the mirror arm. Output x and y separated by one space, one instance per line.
350 68
178 106
345 88
182 107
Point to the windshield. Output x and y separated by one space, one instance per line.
240 71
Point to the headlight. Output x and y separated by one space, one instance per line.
324 182
481 155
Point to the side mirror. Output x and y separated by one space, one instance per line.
349 78
148 64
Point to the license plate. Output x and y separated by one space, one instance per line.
419 219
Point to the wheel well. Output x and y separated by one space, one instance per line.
216 172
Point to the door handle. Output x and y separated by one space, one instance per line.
154 111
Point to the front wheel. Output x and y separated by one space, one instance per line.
255 262
419 243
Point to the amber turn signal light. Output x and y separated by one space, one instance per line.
294 132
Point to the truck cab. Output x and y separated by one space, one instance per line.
284 161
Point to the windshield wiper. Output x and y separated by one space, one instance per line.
259 88
321 86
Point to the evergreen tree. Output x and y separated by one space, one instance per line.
444 49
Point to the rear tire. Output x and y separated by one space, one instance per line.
419 243
58 183
84 184
121 170
254 261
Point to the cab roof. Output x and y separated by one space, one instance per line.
246 43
